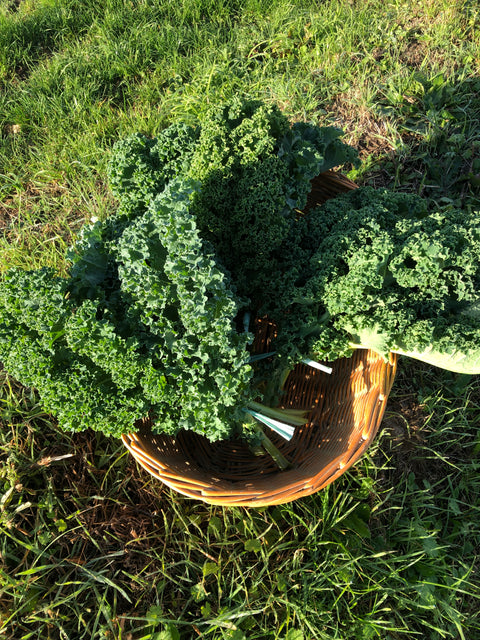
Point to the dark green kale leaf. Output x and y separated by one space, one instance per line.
35 313
184 298
140 167
255 172
307 151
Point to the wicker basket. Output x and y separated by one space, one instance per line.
345 411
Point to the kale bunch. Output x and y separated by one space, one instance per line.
143 326
150 319
376 269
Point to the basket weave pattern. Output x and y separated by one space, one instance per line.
345 410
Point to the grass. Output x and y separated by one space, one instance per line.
91 546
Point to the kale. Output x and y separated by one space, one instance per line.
158 338
140 167
255 171
150 319
375 269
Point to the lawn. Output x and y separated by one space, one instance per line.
91 546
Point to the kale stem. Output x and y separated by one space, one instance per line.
270 448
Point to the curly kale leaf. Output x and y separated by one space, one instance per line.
255 172
185 299
244 216
239 132
35 311
307 151
141 167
